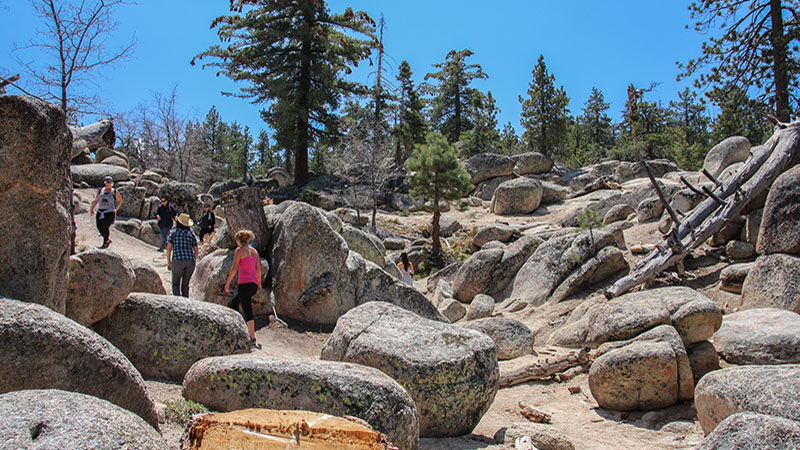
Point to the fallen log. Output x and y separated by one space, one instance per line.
601 183
571 373
533 367
534 414
723 203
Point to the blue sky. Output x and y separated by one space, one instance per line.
603 44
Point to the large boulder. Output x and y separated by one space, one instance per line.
35 150
163 335
480 307
99 280
651 371
370 247
447 225
511 338
773 282
771 390
597 269
693 315
759 336
41 349
703 358
211 273
309 262
51 418
489 165
94 174
732 150
514 256
485 189
747 430
780 223
341 389
517 196
183 197
450 372
476 274
219 187
553 261
732 277
146 278
496 232
531 162
617 213
132 201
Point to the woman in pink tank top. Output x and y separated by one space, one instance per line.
246 262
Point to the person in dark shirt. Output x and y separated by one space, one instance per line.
207 221
165 214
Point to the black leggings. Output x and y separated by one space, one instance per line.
104 224
243 295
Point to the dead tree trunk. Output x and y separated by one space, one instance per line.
244 211
527 368
722 204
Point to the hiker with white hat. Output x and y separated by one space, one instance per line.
181 254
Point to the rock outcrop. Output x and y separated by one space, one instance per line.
229 383
35 188
99 280
759 336
450 372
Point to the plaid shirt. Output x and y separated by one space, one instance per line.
183 242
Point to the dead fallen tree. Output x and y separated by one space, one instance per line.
721 205
540 367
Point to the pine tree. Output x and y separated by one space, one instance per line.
410 127
439 176
483 136
757 49
544 112
293 55
691 137
509 141
597 124
739 116
452 94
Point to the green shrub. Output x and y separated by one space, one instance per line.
180 411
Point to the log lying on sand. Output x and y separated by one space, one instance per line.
723 203
540 367
270 429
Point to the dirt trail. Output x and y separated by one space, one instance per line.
575 415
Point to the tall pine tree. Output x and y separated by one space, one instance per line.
452 94
410 127
544 112
293 55
483 136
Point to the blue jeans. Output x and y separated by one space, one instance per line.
164 235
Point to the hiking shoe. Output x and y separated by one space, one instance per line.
254 345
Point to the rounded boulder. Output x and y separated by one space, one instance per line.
163 335
731 150
146 278
229 383
451 372
517 196
208 282
759 336
99 280
511 337
56 419
773 282
41 349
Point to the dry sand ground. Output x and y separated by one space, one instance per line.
575 415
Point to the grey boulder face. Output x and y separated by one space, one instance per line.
481 306
753 431
309 266
147 278
452 309
649 209
760 336
617 213
55 419
773 282
492 233
475 275
35 147
511 338
447 225
532 163
780 224
650 371
485 189
369 246
94 174
164 335
484 166
732 150
552 263
183 197
41 349
450 372
230 383
517 196
219 187
132 201
211 273
771 390
703 358
693 315
99 280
